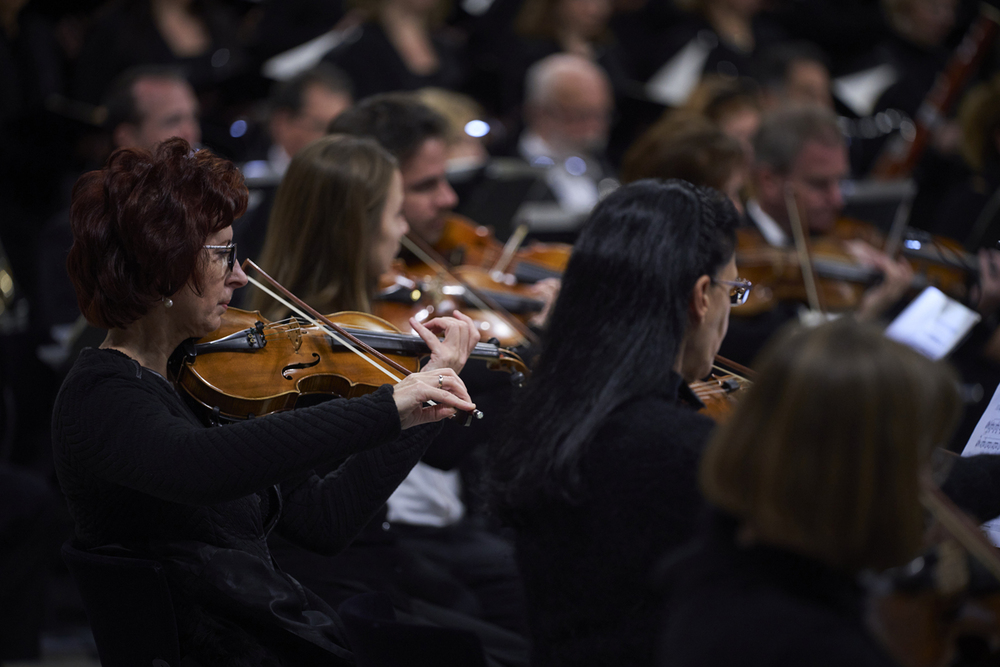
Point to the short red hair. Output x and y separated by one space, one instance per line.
139 225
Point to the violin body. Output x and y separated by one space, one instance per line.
405 293
723 388
288 362
249 367
776 272
936 608
467 269
464 243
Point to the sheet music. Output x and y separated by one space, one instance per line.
933 324
986 440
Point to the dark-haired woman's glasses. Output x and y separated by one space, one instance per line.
230 253
739 290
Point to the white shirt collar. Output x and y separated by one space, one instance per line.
768 226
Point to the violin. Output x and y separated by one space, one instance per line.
840 281
723 388
403 294
251 367
944 602
429 268
464 243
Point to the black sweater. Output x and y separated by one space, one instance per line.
730 605
138 469
587 567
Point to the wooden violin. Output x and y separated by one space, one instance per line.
403 294
472 286
944 602
464 243
840 281
723 388
250 367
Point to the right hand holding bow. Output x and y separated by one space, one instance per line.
442 386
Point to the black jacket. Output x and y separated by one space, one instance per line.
757 606
587 567
139 470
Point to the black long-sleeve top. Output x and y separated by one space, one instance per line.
138 469
761 606
587 567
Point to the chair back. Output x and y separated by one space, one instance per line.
129 606
379 640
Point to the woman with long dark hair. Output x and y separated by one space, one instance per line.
597 473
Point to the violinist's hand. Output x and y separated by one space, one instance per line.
897 276
987 293
443 386
546 291
460 338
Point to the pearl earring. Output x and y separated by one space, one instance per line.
167 302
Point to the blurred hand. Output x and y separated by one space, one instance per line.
986 295
546 291
460 338
442 386
897 277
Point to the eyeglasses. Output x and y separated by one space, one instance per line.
739 290
230 253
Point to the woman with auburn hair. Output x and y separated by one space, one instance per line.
154 263
596 473
814 478
691 148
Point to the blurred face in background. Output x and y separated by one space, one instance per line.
167 108
808 82
427 196
577 114
295 131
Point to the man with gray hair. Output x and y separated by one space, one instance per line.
801 150
801 147
567 113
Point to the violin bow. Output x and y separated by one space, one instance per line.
802 246
427 255
960 526
341 335
512 246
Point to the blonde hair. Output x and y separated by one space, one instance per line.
717 98
823 455
684 146
327 213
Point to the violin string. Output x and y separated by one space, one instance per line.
470 293
727 374
431 262
712 393
329 333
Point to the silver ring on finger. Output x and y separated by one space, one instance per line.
440 382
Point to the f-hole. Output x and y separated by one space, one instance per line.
293 367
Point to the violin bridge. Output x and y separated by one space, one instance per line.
294 334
